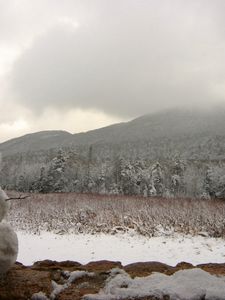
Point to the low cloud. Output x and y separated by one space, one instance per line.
134 57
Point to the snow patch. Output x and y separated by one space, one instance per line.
71 277
57 289
185 284
39 296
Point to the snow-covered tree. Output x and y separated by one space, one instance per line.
101 180
21 184
214 182
55 180
157 181
42 185
208 183
177 177
118 167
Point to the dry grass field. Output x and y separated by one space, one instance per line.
86 213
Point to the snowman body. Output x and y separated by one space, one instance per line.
4 205
8 238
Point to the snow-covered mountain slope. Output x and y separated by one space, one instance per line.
35 141
194 133
168 124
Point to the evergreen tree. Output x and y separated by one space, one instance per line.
209 187
56 180
43 184
177 177
157 182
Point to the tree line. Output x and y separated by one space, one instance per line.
67 171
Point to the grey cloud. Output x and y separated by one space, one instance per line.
131 58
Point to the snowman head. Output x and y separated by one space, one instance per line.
4 205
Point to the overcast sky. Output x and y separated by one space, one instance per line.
79 65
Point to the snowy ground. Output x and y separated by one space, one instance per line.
120 247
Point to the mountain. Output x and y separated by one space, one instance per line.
171 124
188 132
35 141
170 153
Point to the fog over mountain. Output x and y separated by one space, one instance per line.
87 64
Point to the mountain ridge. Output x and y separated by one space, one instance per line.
172 125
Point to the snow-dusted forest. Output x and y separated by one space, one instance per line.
69 171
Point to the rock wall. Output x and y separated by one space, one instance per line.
71 281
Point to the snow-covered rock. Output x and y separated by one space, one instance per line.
185 284
70 280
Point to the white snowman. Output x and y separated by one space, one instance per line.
8 237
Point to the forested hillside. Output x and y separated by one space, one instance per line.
173 153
